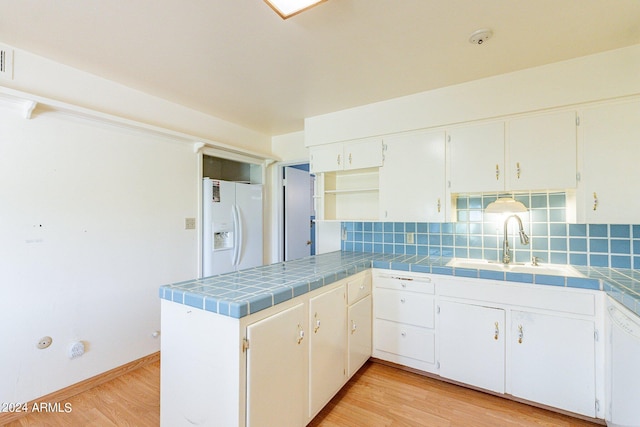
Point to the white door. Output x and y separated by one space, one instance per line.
326 158
412 180
276 370
542 152
249 228
553 361
610 169
327 347
297 214
363 154
472 345
360 334
477 158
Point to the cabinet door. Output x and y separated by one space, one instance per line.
542 152
327 347
276 369
363 154
553 361
326 158
359 322
610 171
412 180
472 345
477 158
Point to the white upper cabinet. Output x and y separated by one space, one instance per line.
412 180
609 151
326 158
535 153
362 154
541 152
477 158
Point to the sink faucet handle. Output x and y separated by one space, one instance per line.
535 260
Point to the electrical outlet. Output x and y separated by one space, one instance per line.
409 238
189 223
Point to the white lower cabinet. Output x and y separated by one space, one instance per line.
360 329
327 347
276 368
472 345
404 319
553 361
537 343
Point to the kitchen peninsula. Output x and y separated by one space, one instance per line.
220 351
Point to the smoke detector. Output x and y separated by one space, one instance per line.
480 36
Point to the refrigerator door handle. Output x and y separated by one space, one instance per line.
240 235
236 235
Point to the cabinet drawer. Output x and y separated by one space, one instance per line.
405 340
358 287
405 307
408 282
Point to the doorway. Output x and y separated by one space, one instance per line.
298 212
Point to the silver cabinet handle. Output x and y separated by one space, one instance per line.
300 334
338 159
520 334
518 170
353 326
315 329
595 201
497 172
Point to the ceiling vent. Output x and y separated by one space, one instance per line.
6 62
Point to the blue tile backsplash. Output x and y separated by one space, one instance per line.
479 235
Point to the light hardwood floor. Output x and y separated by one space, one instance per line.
378 395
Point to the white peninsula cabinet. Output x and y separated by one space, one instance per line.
533 152
276 367
412 180
609 155
277 362
327 347
537 343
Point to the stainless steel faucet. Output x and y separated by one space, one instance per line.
524 239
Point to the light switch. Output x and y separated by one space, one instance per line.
189 223
409 238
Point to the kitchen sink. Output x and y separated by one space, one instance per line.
529 268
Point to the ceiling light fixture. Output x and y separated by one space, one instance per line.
288 8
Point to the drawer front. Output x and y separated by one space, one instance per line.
406 282
405 340
405 307
358 287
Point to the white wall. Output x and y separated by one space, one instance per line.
602 76
39 76
290 147
92 222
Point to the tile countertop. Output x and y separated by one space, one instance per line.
248 291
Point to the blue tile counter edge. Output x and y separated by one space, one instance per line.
249 291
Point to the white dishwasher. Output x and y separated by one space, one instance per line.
623 378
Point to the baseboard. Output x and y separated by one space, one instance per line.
82 386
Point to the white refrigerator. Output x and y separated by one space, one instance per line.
231 226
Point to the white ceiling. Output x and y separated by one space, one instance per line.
238 60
